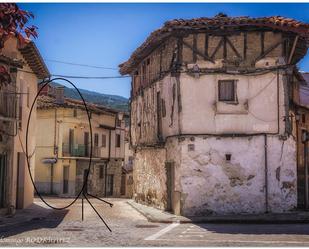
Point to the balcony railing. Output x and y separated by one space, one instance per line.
8 103
79 150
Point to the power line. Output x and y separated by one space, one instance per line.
81 65
82 77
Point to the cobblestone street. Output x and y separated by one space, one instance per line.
129 228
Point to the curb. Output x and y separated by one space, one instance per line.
223 220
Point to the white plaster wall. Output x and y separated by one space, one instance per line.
211 185
202 113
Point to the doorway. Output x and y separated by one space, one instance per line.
65 189
2 180
123 184
110 185
21 164
170 183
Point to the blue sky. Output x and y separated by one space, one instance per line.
105 34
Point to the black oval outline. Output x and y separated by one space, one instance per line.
27 131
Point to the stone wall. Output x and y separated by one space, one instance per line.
150 177
96 184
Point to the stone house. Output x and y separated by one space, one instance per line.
26 68
212 115
63 147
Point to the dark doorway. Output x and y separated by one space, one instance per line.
2 180
110 185
123 184
170 176
65 179
21 164
85 181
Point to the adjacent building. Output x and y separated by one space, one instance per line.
26 67
213 119
63 146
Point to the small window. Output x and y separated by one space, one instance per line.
75 113
96 140
103 140
118 140
227 90
303 118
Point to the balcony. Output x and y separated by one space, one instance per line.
79 150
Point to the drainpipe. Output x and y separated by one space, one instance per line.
266 173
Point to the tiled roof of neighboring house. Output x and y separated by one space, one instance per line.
48 102
304 91
219 22
34 60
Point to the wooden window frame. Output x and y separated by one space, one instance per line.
234 82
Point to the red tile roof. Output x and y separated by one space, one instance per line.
220 21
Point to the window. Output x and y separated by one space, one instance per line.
103 140
75 113
117 140
303 118
96 140
227 90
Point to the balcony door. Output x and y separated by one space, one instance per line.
71 142
86 143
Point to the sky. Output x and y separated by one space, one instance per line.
105 34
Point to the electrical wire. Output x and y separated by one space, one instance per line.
81 65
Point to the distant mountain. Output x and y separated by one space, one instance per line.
113 101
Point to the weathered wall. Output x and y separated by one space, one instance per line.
150 177
256 109
96 184
211 184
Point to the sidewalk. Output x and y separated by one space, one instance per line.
36 211
159 216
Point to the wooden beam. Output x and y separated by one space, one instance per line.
217 48
224 47
179 50
194 56
268 51
293 49
206 44
245 45
262 43
198 52
232 47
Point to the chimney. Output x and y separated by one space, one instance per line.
59 92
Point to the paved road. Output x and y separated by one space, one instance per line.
129 228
